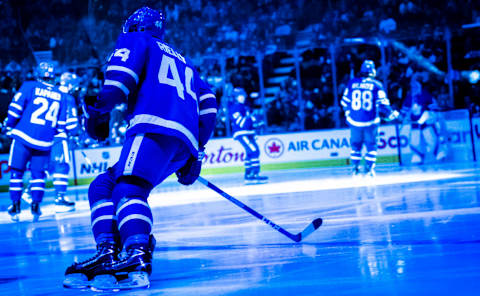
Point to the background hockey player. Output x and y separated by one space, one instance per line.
243 121
36 113
60 155
59 165
419 109
172 115
363 101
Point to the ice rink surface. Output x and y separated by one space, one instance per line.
411 231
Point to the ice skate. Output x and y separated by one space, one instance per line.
14 210
35 209
250 179
356 172
132 272
370 172
80 274
63 204
260 179
27 196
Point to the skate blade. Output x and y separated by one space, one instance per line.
15 218
76 281
64 209
108 283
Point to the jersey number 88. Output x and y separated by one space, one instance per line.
362 100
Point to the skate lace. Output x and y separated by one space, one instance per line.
129 254
100 251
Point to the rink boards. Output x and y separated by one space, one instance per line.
321 148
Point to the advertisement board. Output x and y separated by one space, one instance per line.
288 150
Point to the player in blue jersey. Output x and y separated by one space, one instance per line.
36 113
364 101
59 165
60 155
172 115
242 122
424 138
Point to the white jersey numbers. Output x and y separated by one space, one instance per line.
45 112
362 100
168 66
123 53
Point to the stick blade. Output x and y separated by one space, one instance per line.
309 229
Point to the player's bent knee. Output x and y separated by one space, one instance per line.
16 173
101 188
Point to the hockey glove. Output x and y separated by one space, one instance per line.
96 123
188 174
394 115
5 129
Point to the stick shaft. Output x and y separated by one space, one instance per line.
291 236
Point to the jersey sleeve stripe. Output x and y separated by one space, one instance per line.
125 70
206 96
208 111
13 114
16 106
117 84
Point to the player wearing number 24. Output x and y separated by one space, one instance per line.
364 102
36 113
171 113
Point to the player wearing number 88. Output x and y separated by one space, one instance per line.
364 102
36 113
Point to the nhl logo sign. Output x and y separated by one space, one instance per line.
274 147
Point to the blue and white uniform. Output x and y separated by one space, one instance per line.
243 131
363 100
60 153
171 113
165 95
36 113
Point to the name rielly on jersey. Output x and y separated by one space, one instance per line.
169 50
42 92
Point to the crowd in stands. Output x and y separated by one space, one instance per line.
226 38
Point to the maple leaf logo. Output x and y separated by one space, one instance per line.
274 147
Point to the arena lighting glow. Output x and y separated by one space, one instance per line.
474 76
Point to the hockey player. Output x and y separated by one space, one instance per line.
172 115
242 122
363 101
418 108
59 165
60 155
36 113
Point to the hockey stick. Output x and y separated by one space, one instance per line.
295 237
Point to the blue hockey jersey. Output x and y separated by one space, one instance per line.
36 113
163 90
363 100
71 109
241 120
417 104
